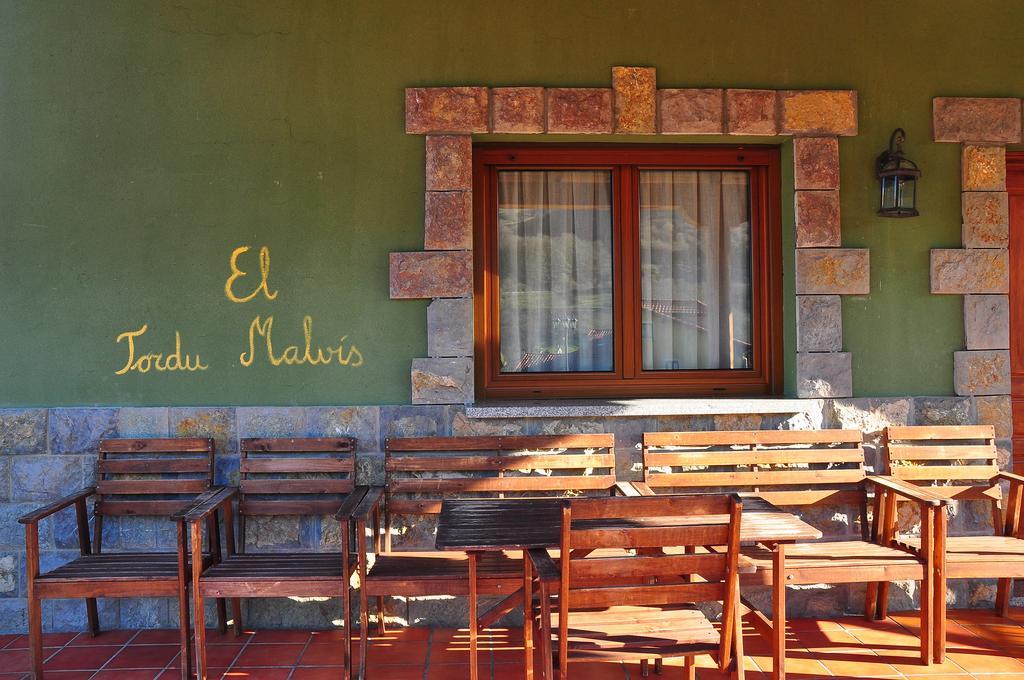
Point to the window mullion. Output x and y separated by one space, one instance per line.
628 292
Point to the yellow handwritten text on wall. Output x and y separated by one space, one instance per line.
293 355
158 361
236 273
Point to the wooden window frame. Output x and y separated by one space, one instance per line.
628 379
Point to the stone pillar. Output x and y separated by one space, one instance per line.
980 271
824 270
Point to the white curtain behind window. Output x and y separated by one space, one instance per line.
695 269
555 269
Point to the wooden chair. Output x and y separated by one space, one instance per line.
134 477
641 606
800 470
960 463
421 471
278 477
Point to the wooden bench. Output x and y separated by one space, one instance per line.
640 605
134 477
313 476
421 471
961 463
800 470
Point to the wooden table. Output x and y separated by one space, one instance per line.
475 526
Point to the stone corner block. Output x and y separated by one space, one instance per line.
442 381
450 328
996 411
818 112
993 120
448 220
517 110
751 112
983 168
987 321
819 323
691 112
432 274
981 372
816 163
635 90
833 271
432 110
986 219
449 162
817 219
579 110
824 375
971 270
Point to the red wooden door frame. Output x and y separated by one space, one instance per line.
1015 187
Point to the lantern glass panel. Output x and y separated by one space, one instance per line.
907 194
888 193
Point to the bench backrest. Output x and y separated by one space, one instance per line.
309 476
151 476
953 461
786 467
422 471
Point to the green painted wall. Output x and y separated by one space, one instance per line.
141 142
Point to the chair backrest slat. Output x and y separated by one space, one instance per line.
797 467
954 461
295 476
158 476
422 471
655 574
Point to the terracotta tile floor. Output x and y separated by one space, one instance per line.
981 645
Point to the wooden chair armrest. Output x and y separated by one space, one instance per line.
344 512
547 570
643 489
369 502
908 490
47 510
624 489
206 503
1010 477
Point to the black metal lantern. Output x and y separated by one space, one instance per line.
898 176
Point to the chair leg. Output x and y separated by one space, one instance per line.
545 634
222 615
883 601
364 604
200 628
381 626
236 615
1003 590
871 601
659 666
644 668
689 668
92 614
35 637
737 644
184 633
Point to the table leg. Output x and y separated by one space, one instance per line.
527 617
473 651
779 612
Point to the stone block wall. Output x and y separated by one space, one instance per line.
46 453
449 116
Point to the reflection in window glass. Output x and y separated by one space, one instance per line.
695 270
555 270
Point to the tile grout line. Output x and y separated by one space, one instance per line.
298 659
123 647
241 650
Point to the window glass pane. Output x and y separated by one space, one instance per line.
695 269
555 269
